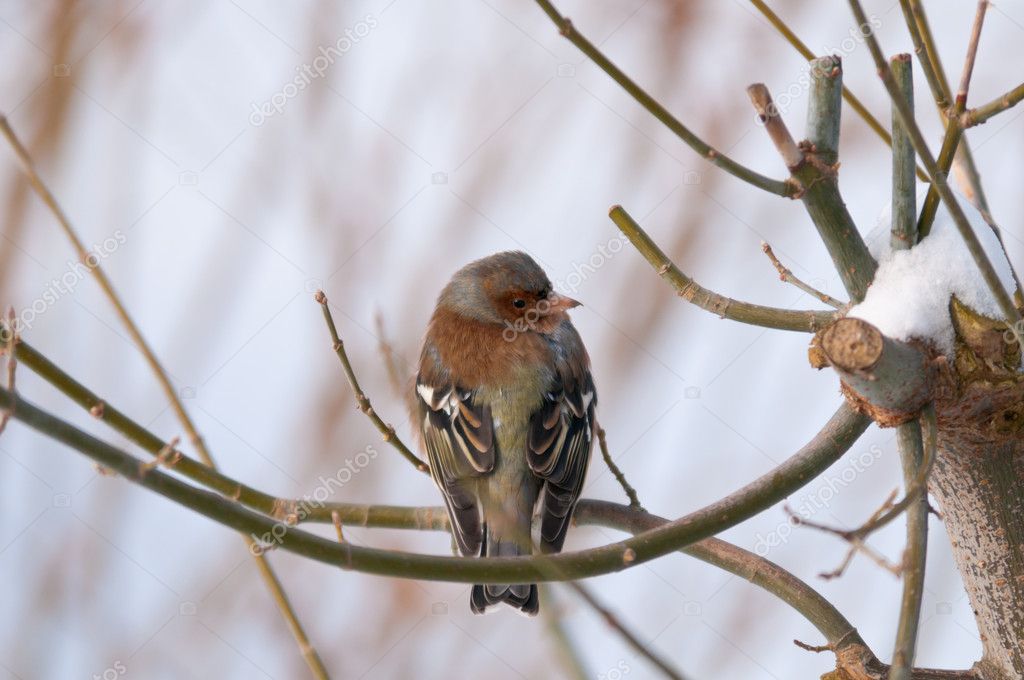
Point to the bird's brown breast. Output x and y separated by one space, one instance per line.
479 354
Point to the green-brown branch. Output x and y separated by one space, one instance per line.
691 291
825 448
706 151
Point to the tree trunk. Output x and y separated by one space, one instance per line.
978 481
978 478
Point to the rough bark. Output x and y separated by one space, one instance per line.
978 478
978 481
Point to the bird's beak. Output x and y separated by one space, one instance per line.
561 303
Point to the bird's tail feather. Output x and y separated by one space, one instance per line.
521 596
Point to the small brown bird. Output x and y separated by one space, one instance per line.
505 404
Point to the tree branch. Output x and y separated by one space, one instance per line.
386 430
824 449
981 114
763 573
807 54
938 178
916 457
691 291
706 151
954 130
271 580
904 192
785 274
935 75
634 500
888 379
816 172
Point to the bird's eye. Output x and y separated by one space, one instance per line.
519 303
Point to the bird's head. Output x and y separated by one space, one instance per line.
507 289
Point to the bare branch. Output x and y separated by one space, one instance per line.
706 151
938 177
634 501
935 75
848 95
903 233
271 580
954 130
816 172
362 401
785 274
776 128
824 449
856 541
916 456
691 291
916 491
981 114
624 632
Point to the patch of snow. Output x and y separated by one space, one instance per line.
910 295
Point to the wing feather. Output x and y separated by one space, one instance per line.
559 444
459 438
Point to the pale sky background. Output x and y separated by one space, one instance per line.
444 131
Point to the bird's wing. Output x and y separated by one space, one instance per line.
560 438
459 438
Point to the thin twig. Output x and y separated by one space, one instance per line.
624 632
939 179
917 488
362 401
960 102
981 114
705 150
935 75
553 616
727 308
785 274
163 457
273 583
634 501
857 542
926 53
817 649
954 131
